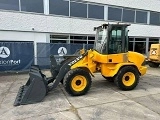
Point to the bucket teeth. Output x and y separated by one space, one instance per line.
19 96
21 93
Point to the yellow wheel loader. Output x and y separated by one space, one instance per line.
154 56
109 56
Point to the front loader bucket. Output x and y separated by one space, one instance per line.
34 90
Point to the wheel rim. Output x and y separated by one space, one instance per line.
128 79
79 83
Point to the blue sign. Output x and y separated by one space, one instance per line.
16 56
44 50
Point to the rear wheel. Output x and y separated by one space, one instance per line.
127 78
152 64
77 82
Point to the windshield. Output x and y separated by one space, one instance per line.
101 39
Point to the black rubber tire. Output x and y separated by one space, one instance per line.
109 79
69 77
118 78
153 65
64 62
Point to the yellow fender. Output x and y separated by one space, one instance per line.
85 67
118 66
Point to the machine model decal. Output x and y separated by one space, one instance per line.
75 60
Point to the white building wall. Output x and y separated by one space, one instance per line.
52 24
144 30
22 36
21 25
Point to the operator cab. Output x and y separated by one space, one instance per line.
111 38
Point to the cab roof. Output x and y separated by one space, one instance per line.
107 24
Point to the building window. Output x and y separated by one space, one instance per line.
95 11
78 39
59 7
154 18
58 41
114 13
32 6
140 45
78 42
62 37
141 17
9 4
78 10
131 44
59 38
128 15
90 42
91 38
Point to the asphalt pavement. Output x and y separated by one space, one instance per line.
104 101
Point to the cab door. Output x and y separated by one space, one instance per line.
117 44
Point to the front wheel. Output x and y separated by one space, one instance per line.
77 82
127 78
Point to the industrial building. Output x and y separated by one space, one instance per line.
72 21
